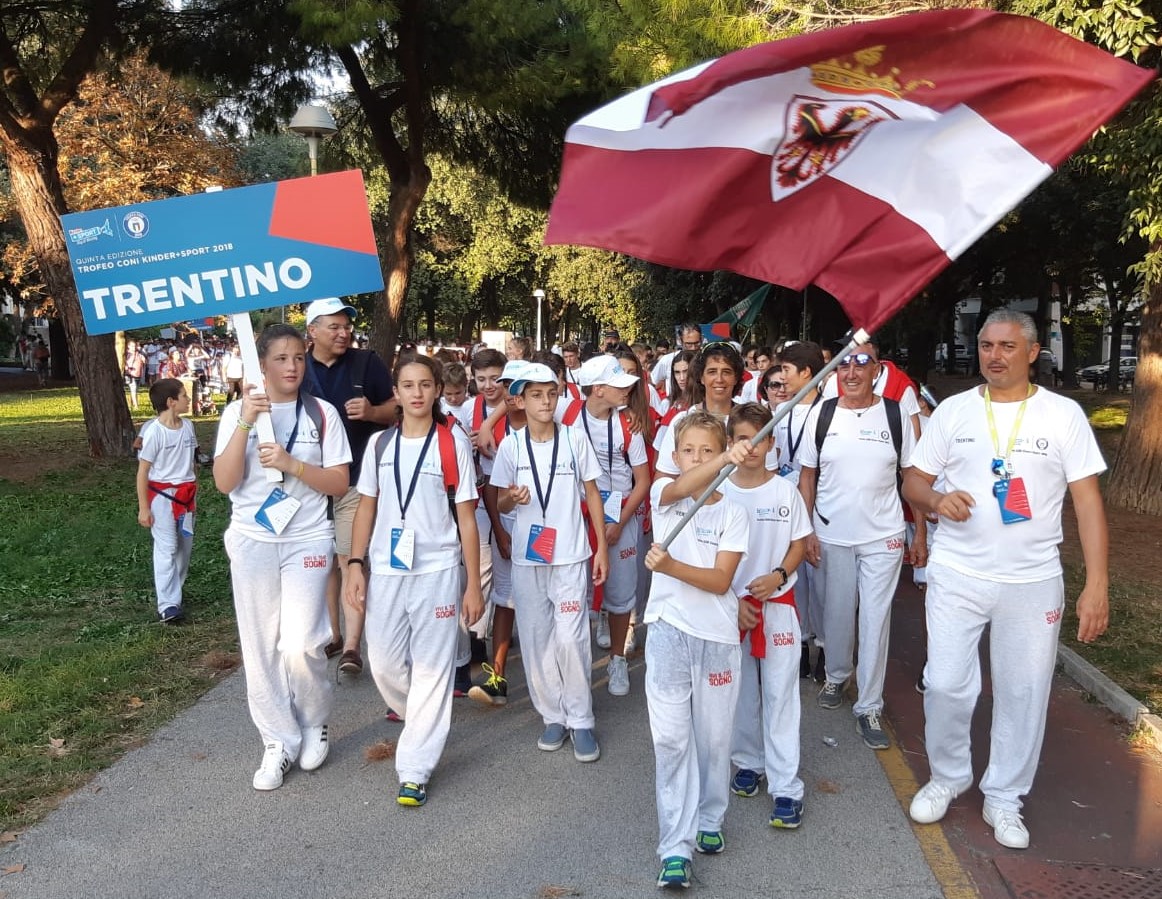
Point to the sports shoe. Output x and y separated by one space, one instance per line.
172 615
631 640
462 682
479 650
709 842
552 738
315 748
1008 828
275 763
351 663
618 676
931 803
333 648
868 727
831 695
493 691
746 782
603 630
393 716
412 795
787 813
585 748
675 872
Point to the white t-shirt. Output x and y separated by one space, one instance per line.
790 433
856 486
1054 448
169 451
616 474
576 463
722 526
660 373
777 515
750 388
437 545
664 444
310 521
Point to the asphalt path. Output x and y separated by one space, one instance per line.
178 818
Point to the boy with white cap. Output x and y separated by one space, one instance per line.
624 484
543 471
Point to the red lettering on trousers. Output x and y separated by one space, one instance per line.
1053 617
784 639
446 611
720 678
628 553
314 561
894 544
570 607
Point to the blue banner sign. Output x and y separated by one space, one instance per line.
223 252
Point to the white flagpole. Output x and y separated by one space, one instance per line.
858 338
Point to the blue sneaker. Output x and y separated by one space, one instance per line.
709 842
787 814
585 748
675 872
746 782
172 615
553 738
412 795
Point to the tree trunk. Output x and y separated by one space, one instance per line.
1136 480
36 189
396 257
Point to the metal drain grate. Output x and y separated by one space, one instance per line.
1069 880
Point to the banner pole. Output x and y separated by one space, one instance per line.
252 374
858 338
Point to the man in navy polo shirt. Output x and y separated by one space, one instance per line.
358 384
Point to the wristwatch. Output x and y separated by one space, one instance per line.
786 577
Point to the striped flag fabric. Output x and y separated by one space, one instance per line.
862 159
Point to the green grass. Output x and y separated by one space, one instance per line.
85 669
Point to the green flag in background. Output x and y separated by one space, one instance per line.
741 315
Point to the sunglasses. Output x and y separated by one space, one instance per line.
860 360
776 385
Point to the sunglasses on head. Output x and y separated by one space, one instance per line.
860 360
717 344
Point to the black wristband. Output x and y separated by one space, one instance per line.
786 577
355 560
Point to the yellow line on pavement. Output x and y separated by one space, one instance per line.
952 876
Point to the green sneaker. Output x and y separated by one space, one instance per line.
412 795
493 691
675 872
709 842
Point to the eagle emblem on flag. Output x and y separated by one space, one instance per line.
819 134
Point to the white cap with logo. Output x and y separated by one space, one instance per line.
329 306
604 370
523 373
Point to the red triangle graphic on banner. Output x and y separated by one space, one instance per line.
329 210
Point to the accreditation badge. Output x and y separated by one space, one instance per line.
611 501
403 548
542 542
278 510
1013 500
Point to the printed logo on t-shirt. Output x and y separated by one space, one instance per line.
706 535
965 440
314 561
720 678
786 638
1031 446
871 435
770 513
448 611
1053 616
894 544
569 607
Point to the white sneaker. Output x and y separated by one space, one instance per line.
1008 828
931 803
275 763
618 676
603 631
315 748
630 640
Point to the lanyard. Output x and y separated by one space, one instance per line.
609 445
542 498
404 503
290 442
793 444
988 408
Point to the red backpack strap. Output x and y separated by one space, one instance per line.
572 411
478 412
500 430
446 442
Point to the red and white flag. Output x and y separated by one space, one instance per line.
862 159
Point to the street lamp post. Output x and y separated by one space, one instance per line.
539 296
314 123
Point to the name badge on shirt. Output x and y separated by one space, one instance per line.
785 470
542 542
186 524
611 500
275 514
1013 500
403 548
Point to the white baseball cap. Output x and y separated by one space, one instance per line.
329 306
523 373
604 370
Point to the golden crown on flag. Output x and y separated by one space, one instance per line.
841 76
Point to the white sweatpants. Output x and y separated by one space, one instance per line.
860 580
553 618
809 601
691 693
501 594
619 592
644 575
411 646
1025 622
483 627
280 601
766 722
171 553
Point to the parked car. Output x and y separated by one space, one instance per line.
1099 374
